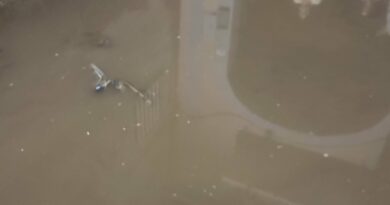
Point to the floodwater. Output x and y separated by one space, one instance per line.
245 102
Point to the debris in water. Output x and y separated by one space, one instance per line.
138 124
104 118
21 150
124 128
89 113
103 81
166 71
122 85
123 164
87 133
188 122
363 191
277 104
304 77
52 120
119 104
174 194
204 190
178 37
279 146
11 84
271 156
211 194
62 77
177 115
326 155
56 54
214 186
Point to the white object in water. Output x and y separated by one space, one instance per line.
103 81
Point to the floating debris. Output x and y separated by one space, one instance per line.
62 77
304 77
277 104
103 81
178 37
11 84
174 194
166 71
124 128
138 124
204 190
87 133
279 146
21 150
177 115
211 194
271 156
122 85
214 186
188 122
56 54
123 164
89 113
52 120
119 104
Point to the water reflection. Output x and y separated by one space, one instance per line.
248 105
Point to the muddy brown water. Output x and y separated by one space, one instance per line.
63 143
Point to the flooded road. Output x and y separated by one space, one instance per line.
233 102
